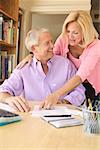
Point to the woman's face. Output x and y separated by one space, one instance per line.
74 33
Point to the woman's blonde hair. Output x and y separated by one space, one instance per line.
32 37
85 21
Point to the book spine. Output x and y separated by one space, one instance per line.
8 31
0 67
4 56
1 27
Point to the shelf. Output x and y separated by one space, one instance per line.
7 15
8 37
9 8
2 43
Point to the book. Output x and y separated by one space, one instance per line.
8 31
1 27
4 65
11 63
0 67
59 116
61 121
66 122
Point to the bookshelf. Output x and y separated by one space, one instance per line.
8 36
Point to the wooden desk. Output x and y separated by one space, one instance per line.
36 134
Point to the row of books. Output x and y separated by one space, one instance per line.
7 64
6 29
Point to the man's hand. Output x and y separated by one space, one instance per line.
49 102
18 103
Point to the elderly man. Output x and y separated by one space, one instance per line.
44 75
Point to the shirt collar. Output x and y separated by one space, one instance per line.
37 61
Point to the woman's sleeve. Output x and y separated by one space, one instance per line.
89 62
60 46
76 96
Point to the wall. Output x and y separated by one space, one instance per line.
49 14
52 22
95 13
55 6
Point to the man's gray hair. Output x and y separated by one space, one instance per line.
32 37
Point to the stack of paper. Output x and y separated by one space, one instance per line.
66 122
59 117
57 110
7 107
56 118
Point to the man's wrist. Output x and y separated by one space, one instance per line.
56 94
5 99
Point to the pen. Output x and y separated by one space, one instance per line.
57 116
90 104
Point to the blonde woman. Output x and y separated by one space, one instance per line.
79 42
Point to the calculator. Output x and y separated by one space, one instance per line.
7 117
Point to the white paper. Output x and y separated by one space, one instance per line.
7 107
49 119
74 112
66 123
57 110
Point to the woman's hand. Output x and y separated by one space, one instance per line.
50 101
27 59
18 103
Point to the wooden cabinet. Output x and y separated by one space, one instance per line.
8 36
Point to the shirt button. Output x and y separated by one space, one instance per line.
54 84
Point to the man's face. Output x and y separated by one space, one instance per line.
44 51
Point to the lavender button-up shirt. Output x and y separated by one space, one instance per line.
34 84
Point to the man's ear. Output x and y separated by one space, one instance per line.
33 48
